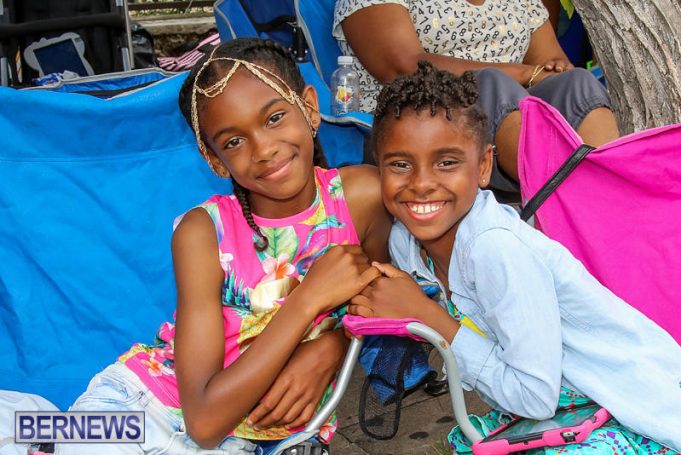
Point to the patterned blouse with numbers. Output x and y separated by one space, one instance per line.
497 31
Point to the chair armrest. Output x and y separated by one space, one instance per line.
415 329
358 325
362 120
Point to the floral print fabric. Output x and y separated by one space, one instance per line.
256 284
612 438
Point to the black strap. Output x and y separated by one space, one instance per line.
557 178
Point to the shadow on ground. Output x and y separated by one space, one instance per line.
423 430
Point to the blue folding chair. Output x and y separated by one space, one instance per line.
251 18
342 137
315 18
90 188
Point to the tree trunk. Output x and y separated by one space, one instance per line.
638 44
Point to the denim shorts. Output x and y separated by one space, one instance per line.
119 389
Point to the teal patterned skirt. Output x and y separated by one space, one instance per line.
612 438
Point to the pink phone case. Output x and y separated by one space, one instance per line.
555 437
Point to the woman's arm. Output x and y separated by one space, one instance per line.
553 7
522 370
545 50
215 399
385 42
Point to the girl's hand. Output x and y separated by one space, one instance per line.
340 274
397 296
296 392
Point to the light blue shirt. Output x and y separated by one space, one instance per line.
548 323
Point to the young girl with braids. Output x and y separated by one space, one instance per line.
531 329
255 346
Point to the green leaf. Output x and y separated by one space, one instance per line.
336 188
281 241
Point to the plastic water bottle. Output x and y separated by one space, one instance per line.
344 87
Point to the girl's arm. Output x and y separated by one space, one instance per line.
215 399
298 389
385 42
520 371
301 384
362 190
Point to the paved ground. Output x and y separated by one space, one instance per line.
423 427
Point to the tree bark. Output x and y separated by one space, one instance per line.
638 45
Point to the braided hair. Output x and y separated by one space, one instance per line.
268 54
434 89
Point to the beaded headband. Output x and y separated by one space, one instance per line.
216 89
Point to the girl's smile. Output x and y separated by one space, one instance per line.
430 179
424 211
264 142
276 170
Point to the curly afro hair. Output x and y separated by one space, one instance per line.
436 90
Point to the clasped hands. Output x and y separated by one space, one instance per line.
390 293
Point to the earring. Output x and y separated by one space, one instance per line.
314 133
484 180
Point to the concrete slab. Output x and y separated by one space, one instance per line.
424 424
179 26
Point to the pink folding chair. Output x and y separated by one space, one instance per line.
619 211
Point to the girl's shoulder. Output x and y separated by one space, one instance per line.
361 180
219 210
362 188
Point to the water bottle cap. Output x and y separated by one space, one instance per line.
346 59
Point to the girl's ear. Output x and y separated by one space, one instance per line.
312 105
485 166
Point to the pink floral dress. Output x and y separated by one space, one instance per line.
255 286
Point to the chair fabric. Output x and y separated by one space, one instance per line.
108 85
315 17
233 22
89 192
187 60
256 18
273 17
618 212
342 138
